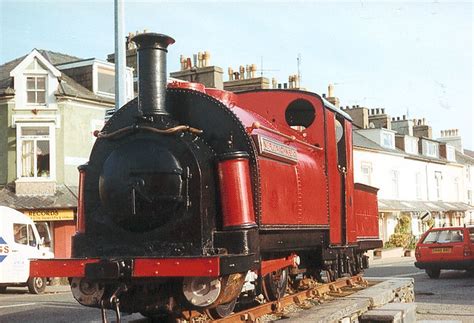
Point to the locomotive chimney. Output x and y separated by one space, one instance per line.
152 76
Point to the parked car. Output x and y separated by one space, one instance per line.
445 248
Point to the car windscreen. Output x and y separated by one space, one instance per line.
444 236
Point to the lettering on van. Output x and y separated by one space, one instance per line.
4 249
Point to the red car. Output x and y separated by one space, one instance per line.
445 248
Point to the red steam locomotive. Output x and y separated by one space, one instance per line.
197 198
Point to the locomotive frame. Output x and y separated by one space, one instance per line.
179 206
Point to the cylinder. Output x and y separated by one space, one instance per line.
152 77
236 191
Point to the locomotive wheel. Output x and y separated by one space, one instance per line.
221 310
274 284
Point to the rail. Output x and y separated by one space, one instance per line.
257 125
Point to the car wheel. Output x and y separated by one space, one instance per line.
36 285
433 273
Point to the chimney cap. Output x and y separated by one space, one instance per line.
153 41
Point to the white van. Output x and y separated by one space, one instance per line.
20 242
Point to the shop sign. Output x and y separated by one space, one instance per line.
50 215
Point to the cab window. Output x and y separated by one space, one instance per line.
300 114
20 232
23 234
43 231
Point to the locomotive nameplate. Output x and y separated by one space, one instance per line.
274 149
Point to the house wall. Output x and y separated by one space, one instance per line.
3 143
7 143
76 138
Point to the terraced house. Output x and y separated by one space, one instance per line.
50 105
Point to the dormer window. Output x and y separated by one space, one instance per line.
105 81
411 145
388 140
36 90
431 149
450 153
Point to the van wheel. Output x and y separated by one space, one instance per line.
433 273
36 285
3 289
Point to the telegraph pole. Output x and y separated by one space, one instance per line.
120 94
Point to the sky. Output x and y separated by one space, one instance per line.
410 58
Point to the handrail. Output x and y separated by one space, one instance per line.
103 135
257 125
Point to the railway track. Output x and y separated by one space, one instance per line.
311 291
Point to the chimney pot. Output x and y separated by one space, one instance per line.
398 118
331 90
383 110
404 117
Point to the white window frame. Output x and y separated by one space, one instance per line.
36 76
395 179
450 153
52 151
95 69
390 138
432 145
411 145
366 178
438 184
457 188
418 180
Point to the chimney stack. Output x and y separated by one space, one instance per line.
152 76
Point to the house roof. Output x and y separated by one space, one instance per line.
65 197
422 206
361 141
364 142
464 158
468 152
67 85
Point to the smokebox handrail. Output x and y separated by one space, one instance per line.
120 132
